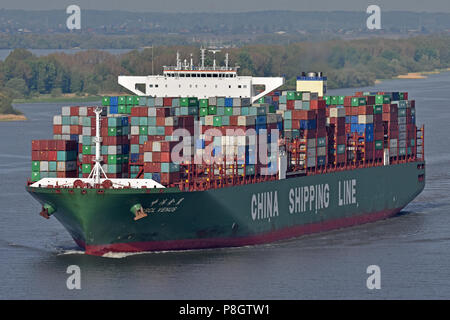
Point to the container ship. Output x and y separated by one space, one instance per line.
201 157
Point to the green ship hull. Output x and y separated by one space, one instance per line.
100 221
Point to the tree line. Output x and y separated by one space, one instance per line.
347 63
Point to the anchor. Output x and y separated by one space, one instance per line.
138 212
47 211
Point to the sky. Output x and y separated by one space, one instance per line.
231 5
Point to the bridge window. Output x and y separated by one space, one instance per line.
239 86
209 75
150 85
203 75
214 75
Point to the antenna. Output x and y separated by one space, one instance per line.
226 60
214 61
97 171
192 63
202 50
178 61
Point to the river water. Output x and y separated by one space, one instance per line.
412 250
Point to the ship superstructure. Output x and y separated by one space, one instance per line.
187 80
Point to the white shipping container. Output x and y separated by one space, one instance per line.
151 112
237 102
156 146
65 130
298 104
209 120
337 112
402 128
65 137
282 106
365 118
321 151
402 143
311 152
212 101
148 157
311 162
311 143
159 102
57 120
43 166
306 96
135 130
393 143
402 135
393 152
86 131
236 111
401 120
65 111
171 121
246 120
82 111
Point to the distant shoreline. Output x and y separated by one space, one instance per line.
12 117
414 75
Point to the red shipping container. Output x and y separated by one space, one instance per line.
341 139
371 100
74 111
35 155
290 104
163 112
135 112
165 157
365 110
35 145
160 121
347 102
90 111
43 155
57 129
156 156
52 155
168 178
186 121
43 144
152 167
167 146
167 102
234 120
134 139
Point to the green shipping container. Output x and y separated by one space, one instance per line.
122 100
362 101
203 111
341 148
217 121
377 109
290 95
35 176
379 99
35 166
203 103
212 110
86 168
379 145
130 100
355 102
122 109
105 101
228 111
